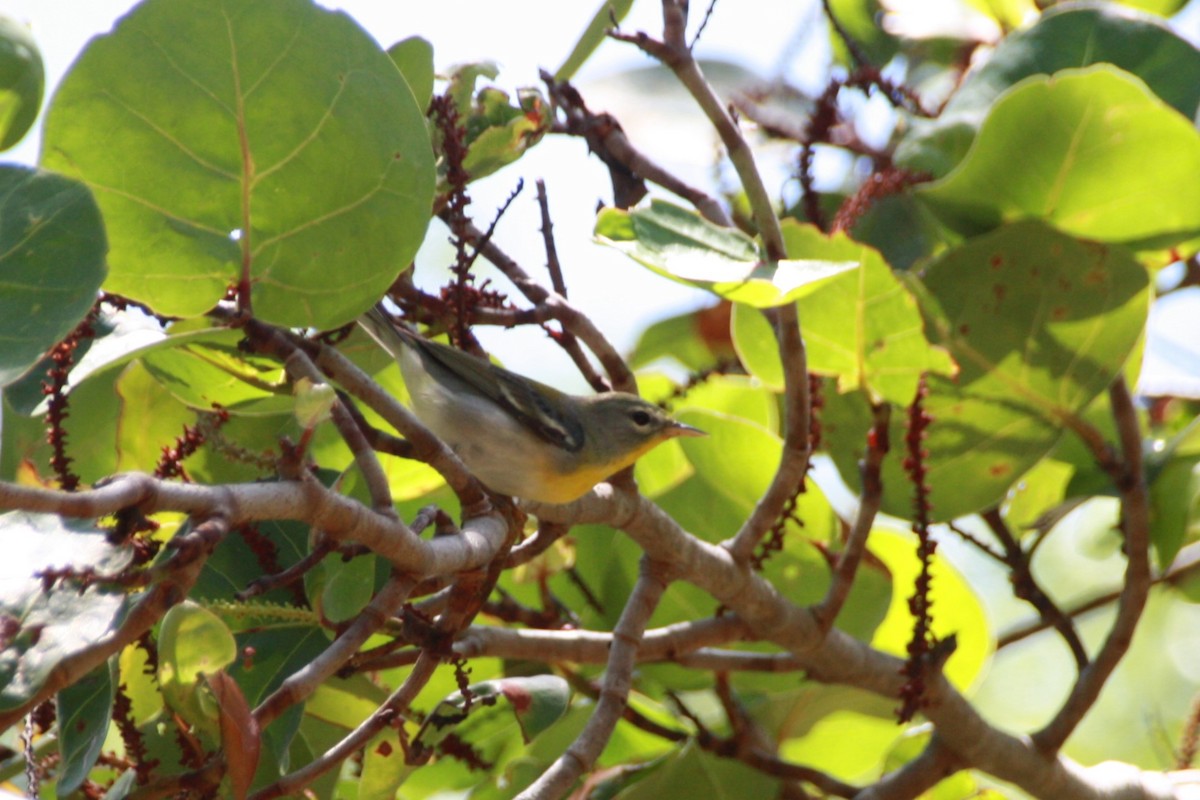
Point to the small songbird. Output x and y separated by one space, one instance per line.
517 436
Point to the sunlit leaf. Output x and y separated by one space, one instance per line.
22 81
681 245
956 608
1092 151
1064 37
414 58
42 628
193 642
203 151
756 345
737 458
1039 324
864 327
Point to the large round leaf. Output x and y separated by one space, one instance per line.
1092 151
51 263
1039 324
22 81
274 138
1072 35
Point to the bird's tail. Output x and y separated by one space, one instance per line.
380 328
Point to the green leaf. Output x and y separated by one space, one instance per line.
122 787
1091 151
532 704
1067 36
1039 324
22 82
414 58
499 133
757 348
609 14
234 563
383 767
1173 469
825 744
84 710
149 420
346 586
735 396
860 19
690 772
956 608
863 327
205 374
274 137
1161 7
695 339
737 459
51 261
49 626
683 246
192 642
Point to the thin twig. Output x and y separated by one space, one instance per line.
1187 563
1130 481
618 679
569 317
1026 587
298 365
868 507
301 684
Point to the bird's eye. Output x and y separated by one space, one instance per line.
640 418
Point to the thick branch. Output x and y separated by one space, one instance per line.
341 518
835 657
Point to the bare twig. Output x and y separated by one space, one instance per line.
385 715
559 309
274 342
1187 563
1026 587
627 165
868 507
300 685
618 679
1130 481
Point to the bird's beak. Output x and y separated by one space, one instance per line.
680 429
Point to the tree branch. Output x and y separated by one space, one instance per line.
868 508
301 684
618 679
1135 511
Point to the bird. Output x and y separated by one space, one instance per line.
519 437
